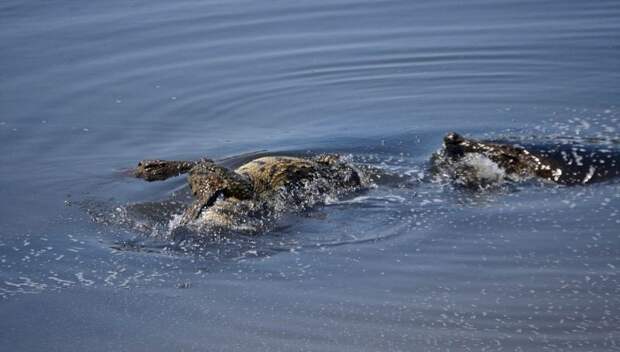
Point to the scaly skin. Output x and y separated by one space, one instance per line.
159 170
269 173
514 160
227 198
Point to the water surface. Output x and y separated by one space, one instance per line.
89 88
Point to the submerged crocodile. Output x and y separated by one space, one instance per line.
246 198
475 163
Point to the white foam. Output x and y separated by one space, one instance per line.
367 199
84 281
485 169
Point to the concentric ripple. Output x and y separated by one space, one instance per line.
88 88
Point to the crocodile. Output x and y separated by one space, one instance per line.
477 163
246 198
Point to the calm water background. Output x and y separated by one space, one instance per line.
89 88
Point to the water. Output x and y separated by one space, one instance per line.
88 89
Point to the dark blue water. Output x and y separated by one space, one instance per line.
89 88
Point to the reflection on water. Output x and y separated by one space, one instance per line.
87 89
